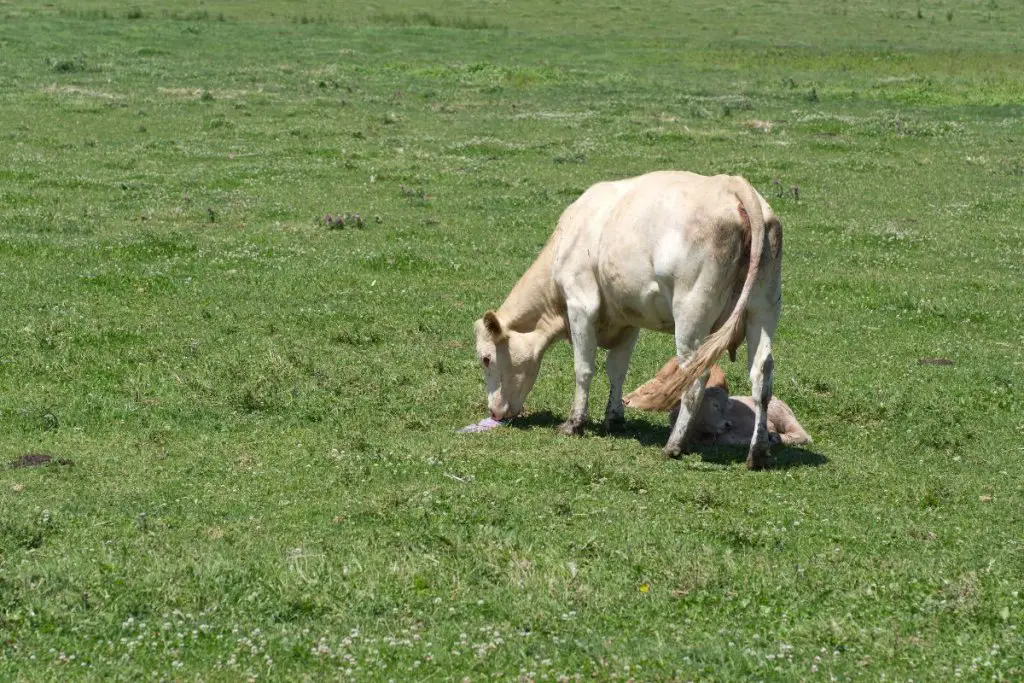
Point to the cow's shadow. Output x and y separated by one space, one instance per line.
648 434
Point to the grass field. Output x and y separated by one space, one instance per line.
260 408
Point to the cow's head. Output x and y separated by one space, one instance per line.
510 362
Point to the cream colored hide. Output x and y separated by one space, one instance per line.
725 420
671 251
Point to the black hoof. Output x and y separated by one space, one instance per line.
759 459
571 428
615 425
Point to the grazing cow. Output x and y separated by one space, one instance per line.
725 420
669 251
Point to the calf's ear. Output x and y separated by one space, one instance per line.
493 326
717 379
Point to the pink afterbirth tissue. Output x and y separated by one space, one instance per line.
484 425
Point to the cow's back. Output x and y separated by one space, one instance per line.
665 234
579 229
643 242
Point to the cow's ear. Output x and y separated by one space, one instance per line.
493 326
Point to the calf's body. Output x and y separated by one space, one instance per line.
725 420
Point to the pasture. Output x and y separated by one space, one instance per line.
251 413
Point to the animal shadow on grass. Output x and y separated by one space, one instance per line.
782 457
543 418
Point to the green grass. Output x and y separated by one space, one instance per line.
261 410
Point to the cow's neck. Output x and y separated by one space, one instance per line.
534 306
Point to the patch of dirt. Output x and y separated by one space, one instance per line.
199 92
38 460
758 124
75 90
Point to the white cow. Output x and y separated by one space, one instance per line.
670 251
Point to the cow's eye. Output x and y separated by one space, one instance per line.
486 360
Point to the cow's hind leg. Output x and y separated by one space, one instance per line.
584 347
617 365
761 366
688 339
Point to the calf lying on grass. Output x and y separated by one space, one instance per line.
723 420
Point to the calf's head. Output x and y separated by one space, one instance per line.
510 362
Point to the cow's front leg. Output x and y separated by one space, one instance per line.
584 346
617 366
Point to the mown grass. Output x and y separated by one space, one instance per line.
260 408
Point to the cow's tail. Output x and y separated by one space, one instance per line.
665 390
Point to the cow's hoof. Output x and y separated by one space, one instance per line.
571 428
672 452
758 460
614 425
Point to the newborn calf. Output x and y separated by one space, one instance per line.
725 420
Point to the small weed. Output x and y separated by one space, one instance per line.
342 221
578 158
51 422
933 496
218 122
416 193
67 65
705 499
